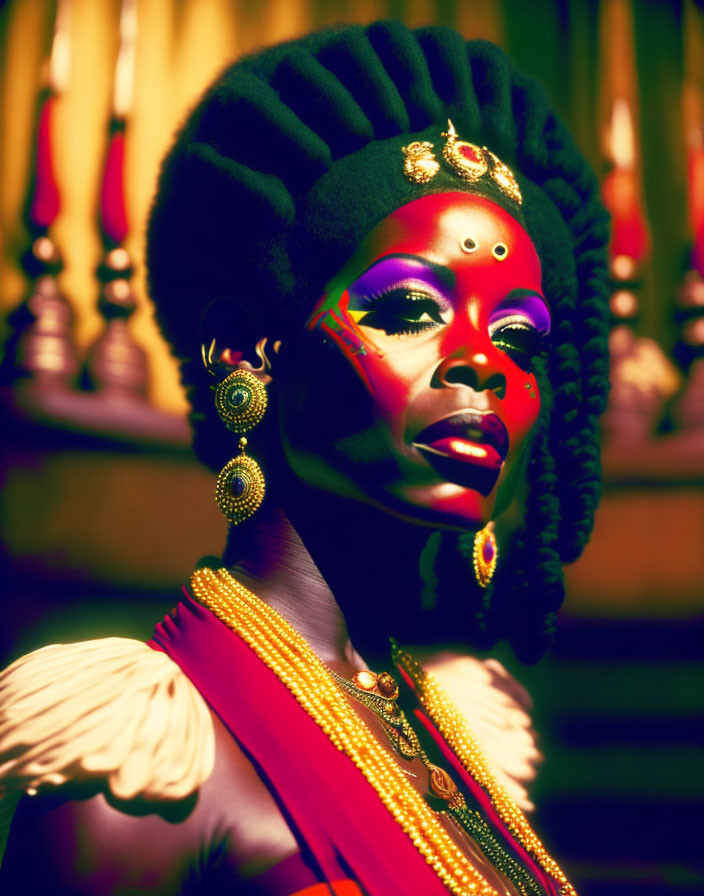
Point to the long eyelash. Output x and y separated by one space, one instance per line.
522 354
391 302
410 293
417 327
515 321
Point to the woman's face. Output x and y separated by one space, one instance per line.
412 388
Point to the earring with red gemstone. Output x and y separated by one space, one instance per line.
484 555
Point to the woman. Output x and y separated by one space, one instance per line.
387 252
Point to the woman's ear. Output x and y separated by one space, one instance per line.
223 360
231 339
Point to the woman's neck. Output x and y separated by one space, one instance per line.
269 558
335 571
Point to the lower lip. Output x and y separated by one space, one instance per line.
468 452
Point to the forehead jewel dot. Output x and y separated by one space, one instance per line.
468 244
500 251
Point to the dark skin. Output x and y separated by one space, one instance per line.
373 383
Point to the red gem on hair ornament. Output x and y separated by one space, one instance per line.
467 159
473 162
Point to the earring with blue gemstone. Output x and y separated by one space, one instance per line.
241 401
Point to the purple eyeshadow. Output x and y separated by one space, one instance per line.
394 271
527 303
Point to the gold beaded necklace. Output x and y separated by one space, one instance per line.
458 736
405 741
291 659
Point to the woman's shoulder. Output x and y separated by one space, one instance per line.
110 710
136 781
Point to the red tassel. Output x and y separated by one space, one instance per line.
630 235
46 201
695 185
112 194
697 259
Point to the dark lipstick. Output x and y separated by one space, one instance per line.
478 441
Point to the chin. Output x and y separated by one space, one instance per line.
448 505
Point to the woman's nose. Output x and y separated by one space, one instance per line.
471 369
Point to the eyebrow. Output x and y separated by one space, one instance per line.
517 294
445 276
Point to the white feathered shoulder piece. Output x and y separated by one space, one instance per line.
496 707
111 709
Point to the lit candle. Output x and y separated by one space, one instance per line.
630 241
693 120
46 199
112 197
621 188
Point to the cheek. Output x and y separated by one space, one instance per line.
391 373
521 408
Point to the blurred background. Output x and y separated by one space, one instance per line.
104 509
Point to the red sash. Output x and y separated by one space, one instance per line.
333 810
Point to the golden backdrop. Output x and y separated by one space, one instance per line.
181 45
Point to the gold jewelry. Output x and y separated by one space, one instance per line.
453 727
468 244
240 400
485 553
396 726
420 164
470 161
467 159
290 658
503 177
473 162
405 741
240 487
500 251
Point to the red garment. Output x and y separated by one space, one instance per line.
353 837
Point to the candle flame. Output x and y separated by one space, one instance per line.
622 143
124 69
60 58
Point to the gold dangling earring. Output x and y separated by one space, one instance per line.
484 555
241 401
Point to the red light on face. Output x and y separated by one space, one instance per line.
434 332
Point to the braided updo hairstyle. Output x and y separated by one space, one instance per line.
287 138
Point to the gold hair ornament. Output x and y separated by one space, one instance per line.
470 161
420 164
